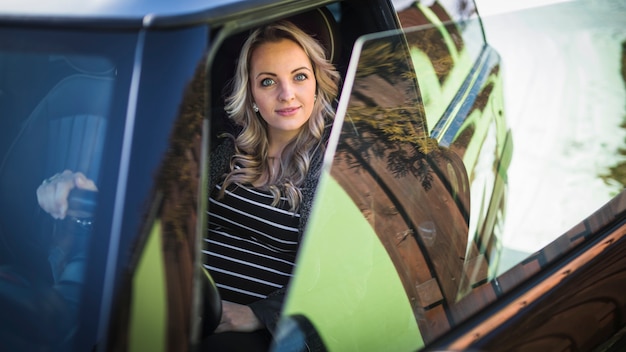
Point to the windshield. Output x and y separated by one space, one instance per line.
59 92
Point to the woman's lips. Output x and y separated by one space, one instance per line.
288 111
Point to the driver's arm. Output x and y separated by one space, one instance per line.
67 263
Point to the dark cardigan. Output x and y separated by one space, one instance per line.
268 310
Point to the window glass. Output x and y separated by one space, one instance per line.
412 192
443 50
461 88
58 92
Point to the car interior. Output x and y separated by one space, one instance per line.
319 23
65 130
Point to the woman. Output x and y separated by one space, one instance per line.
281 99
262 181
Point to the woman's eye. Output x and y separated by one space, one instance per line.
267 82
301 77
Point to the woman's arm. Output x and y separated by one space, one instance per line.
238 317
258 315
268 310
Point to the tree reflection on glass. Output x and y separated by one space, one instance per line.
413 192
386 118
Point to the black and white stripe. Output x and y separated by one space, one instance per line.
251 245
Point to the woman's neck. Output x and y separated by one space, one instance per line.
275 148
278 141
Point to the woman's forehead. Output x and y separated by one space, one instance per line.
283 55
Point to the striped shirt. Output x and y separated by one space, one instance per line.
251 246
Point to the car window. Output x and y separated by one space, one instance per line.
59 92
461 89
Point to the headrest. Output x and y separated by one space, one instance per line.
320 24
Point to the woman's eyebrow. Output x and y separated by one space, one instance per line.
274 75
266 74
301 68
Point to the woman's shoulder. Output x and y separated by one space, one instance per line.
219 157
225 147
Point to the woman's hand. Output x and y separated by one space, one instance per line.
52 194
237 317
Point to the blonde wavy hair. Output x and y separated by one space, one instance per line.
251 145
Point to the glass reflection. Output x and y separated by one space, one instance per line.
413 192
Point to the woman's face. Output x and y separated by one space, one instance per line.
283 87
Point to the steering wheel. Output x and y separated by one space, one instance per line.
82 203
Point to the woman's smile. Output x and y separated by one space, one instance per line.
288 111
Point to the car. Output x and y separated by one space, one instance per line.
407 221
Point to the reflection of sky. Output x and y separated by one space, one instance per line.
52 7
107 8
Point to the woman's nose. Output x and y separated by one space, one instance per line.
286 92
